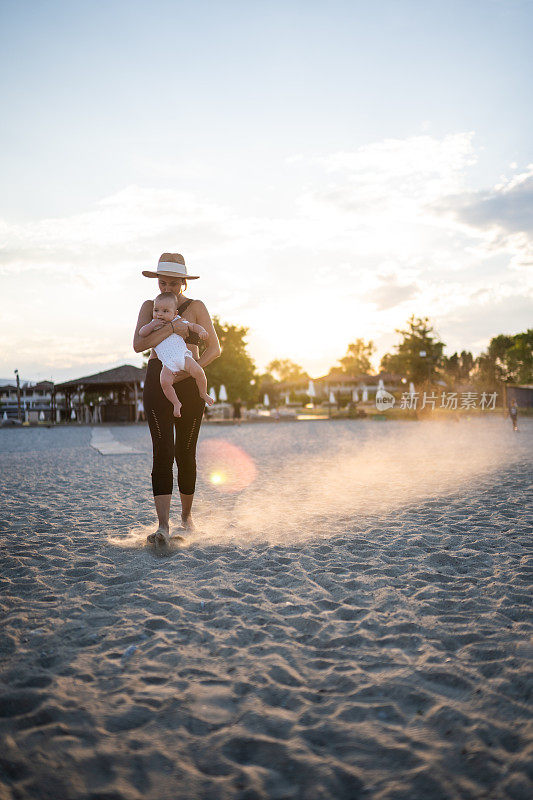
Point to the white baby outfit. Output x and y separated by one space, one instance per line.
172 351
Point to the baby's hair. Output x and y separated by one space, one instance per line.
168 296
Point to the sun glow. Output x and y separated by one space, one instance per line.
227 467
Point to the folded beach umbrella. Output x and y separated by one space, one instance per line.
222 394
266 400
213 394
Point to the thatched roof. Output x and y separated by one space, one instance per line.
109 378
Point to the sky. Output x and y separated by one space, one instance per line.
327 168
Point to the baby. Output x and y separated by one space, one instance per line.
173 352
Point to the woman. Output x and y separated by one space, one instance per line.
174 437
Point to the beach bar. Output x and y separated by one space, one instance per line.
114 395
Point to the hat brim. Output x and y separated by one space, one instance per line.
149 274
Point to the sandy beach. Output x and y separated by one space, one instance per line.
351 619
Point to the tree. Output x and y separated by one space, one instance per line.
286 370
266 384
519 358
357 358
467 364
458 368
451 368
407 361
507 359
234 368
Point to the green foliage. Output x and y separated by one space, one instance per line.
519 358
286 370
458 368
508 358
234 368
266 384
407 361
357 358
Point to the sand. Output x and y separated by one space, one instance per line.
352 619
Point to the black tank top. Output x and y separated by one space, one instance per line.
192 338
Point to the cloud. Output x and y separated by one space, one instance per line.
124 229
502 216
365 239
390 293
509 207
472 326
417 168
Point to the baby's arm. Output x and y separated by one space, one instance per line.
152 326
195 328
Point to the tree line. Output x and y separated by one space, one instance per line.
418 357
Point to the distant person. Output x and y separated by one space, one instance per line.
174 437
173 352
237 405
513 413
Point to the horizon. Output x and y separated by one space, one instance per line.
321 199
374 370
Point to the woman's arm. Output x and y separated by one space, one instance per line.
141 343
213 349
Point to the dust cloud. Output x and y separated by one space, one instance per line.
307 496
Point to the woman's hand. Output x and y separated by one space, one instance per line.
180 326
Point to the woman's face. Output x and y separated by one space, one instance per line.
170 284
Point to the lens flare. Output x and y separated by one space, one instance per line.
226 467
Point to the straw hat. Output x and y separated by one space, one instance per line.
171 265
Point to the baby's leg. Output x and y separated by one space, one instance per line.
166 379
194 369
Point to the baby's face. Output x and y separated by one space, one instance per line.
165 310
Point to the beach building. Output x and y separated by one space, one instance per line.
295 391
341 386
38 401
522 393
114 395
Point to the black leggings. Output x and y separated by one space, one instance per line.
162 424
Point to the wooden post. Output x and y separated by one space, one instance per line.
504 409
19 412
136 397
